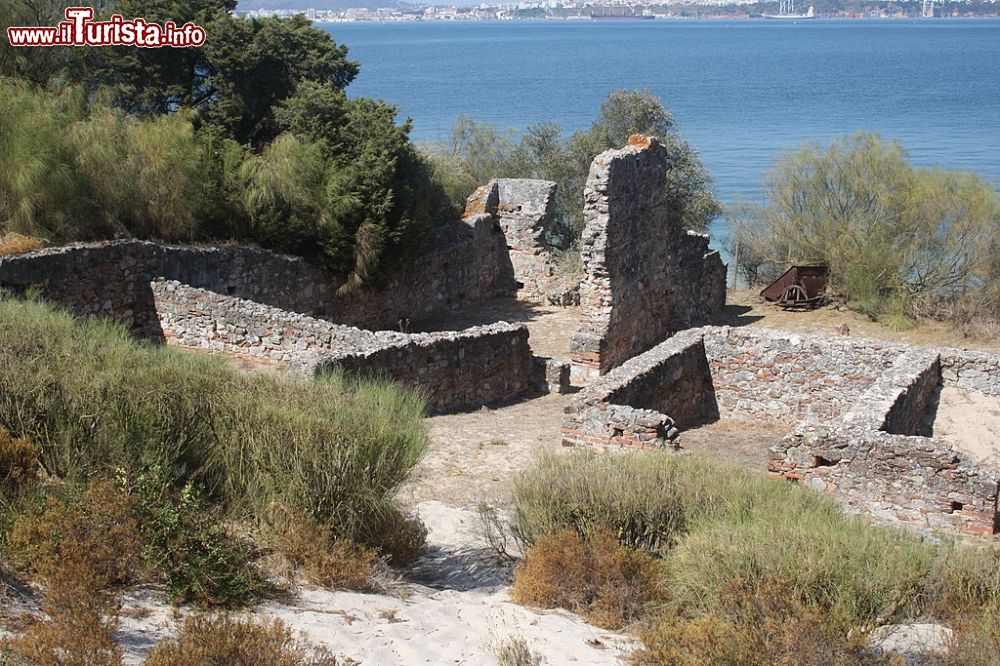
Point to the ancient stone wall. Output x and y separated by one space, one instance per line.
645 277
918 481
526 213
202 319
644 401
455 370
788 377
463 263
970 370
898 400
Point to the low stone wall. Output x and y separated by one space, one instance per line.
202 319
788 378
645 277
455 370
970 370
898 401
642 402
463 263
917 481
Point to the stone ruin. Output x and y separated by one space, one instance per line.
646 278
856 412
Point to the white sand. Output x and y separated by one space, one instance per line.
456 614
970 421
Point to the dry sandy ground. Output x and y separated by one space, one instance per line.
747 308
454 610
475 455
971 421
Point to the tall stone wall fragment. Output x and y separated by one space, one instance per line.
645 276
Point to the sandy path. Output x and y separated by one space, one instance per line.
970 421
456 613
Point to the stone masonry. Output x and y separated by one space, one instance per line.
463 263
454 370
645 277
857 411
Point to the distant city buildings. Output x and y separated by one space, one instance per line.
618 9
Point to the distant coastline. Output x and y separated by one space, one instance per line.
394 11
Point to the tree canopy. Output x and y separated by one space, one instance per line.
252 131
476 152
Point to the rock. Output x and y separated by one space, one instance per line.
917 644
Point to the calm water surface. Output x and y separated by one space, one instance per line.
742 92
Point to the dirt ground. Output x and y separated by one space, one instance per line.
747 308
971 421
475 455
550 327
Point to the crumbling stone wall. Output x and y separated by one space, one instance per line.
643 402
645 277
526 213
972 371
917 481
455 370
462 263
786 378
202 319
858 410
898 401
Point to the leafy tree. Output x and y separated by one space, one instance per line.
477 152
900 240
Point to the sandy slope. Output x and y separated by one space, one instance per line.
453 610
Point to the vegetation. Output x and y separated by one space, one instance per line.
122 462
476 152
734 580
331 450
208 640
901 241
250 136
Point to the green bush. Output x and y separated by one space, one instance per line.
745 555
901 241
476 152
332 451
184 543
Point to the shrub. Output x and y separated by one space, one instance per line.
186 545
96 529
596 577
328 562
209 640
901 241
758 626
78 549
18 460
15 243
331 451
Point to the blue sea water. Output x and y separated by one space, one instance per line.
741 91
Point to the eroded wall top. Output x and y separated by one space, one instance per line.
645 276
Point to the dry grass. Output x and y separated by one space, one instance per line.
594 576
206 640
515 652
328 562
13 243
760 626
79 551
19 460
98 531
